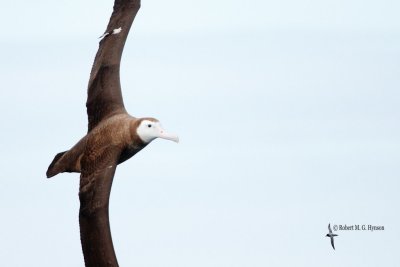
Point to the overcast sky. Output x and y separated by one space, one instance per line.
287 111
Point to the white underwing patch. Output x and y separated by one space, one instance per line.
115 31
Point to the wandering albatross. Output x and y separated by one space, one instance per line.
113 137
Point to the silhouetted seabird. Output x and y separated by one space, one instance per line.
331 235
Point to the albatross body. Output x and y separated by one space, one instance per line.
120 132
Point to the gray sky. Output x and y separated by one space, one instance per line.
287 112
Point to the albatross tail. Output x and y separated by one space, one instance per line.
67 161
54 168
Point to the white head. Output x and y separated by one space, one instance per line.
150 129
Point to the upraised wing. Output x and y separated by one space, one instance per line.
329 228
104 89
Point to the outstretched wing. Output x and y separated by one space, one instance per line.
98 169
332 243
104 89
329 228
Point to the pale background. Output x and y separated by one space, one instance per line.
288 114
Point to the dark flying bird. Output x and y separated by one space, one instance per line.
331 235
113 137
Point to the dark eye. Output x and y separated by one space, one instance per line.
149 125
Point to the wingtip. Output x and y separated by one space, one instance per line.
49 174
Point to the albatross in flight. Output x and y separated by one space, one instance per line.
113 137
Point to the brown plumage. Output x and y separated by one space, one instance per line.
113 136
118 131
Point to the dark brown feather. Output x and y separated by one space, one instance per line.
104 89
98 169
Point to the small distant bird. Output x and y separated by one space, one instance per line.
331 235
